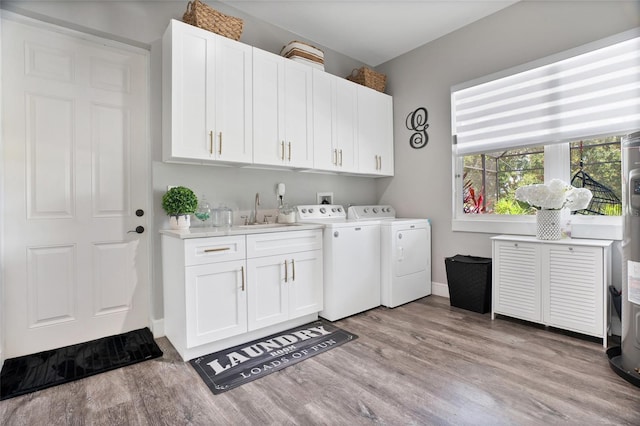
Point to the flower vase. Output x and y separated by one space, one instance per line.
548 224
180 222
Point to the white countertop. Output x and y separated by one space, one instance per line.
573 241
195 232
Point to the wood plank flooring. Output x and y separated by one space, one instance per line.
424 363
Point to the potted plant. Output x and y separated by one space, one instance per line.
179 202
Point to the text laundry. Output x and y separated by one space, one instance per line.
276 346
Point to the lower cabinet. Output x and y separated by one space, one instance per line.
221 289
559 283
283 287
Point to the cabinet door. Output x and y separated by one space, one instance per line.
324 156
268 300
573 286
232 130
375 132
206 97
297 114
268 123
282 111
305 286
516 280
188 82
216 301
346 125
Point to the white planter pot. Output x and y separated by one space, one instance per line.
180 222
548 225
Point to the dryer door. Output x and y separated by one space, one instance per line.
412 250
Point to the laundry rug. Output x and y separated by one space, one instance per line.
230 368
39 371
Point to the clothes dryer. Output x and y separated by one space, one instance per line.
405 263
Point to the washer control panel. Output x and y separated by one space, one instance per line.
371 212
320 212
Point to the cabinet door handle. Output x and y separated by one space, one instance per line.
335 157
289 151
282 150
515 245
340 158
211 142
377 163
220 147
242 272
380 161
217 249
286 271
293 270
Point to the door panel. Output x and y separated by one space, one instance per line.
75 152
267 291
51 285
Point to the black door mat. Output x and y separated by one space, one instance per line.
39 371
230 368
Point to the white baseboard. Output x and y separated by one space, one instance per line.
439 289
157 328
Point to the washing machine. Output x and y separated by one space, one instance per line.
350 249
405 263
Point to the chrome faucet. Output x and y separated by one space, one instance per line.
255 210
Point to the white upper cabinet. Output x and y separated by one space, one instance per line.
225 102
375 132
282 111
207 114
334 123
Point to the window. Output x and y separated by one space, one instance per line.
552 118
490 180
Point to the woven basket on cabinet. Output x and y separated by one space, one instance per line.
203 16
368 77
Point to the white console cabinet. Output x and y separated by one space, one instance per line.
559 283
223 291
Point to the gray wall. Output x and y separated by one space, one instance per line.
518 34
142 24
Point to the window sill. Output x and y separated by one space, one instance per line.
594 227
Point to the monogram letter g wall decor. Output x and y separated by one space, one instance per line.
417 121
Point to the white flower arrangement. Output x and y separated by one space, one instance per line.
555 195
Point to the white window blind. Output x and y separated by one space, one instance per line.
591 94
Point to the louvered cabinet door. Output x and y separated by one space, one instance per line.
516 280
572 278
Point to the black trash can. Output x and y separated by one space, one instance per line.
469 279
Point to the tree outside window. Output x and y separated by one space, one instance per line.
491 179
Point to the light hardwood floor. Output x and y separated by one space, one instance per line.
424 363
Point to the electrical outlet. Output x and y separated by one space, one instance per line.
171 186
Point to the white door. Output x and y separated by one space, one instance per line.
297 114
216 301
346 125
305 285
268 290
324 156
375 132
233 100
269 146
516 286
412 252
75 173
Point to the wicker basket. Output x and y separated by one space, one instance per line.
368 77
203 16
